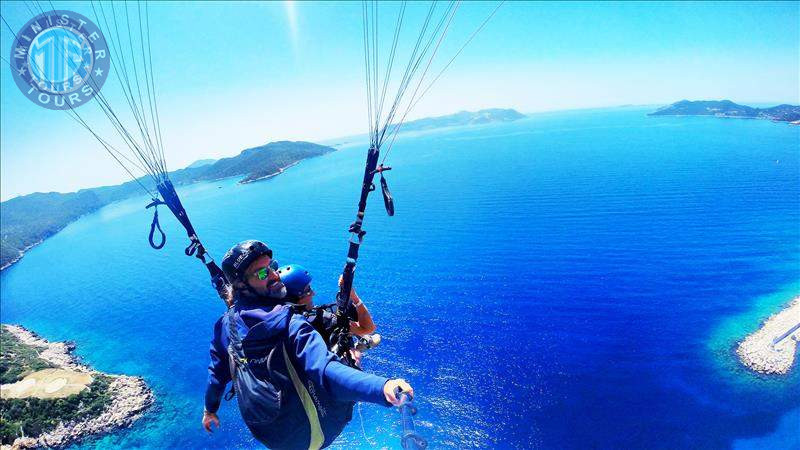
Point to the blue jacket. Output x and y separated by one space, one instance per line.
318 391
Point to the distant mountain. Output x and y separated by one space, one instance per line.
201 163
463 118
26 221
726 108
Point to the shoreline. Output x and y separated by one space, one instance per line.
723 116
772 348
271 175
22 253
130 396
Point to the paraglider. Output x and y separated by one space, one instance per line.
249 274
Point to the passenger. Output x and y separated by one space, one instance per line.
323 318
298 290
292 392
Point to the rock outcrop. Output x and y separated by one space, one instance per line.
771 349
130 397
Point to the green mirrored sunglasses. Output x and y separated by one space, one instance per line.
263 273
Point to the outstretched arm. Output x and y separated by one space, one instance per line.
324 370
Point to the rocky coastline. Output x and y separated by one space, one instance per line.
729 109
772 349
130 397
21 254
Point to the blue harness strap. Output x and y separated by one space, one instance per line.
236 351
195 248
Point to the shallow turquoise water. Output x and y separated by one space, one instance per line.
571 280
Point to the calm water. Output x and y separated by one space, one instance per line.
572 280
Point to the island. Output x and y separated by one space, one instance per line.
771 349
463 118
28 220
49 399
727 108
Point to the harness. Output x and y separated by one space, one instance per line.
316 317
264 390
323 319
238 357
236 349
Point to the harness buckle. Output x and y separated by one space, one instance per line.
381 168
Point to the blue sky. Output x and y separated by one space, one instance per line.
237 75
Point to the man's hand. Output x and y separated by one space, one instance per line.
208 419
391 385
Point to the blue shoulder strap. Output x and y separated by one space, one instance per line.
234 340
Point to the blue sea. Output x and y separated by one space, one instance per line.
571 280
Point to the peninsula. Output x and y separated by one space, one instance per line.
727 108
483 116
28 220
49 399
772 349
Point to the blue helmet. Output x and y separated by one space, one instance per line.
296 279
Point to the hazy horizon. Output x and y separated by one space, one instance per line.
325 141
294 71
333 140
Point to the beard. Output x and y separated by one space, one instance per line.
273 291
276 290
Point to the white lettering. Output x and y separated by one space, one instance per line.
44 98
74 98
81 23
94 36
239 260
261 360
313 393
64 19
99 54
